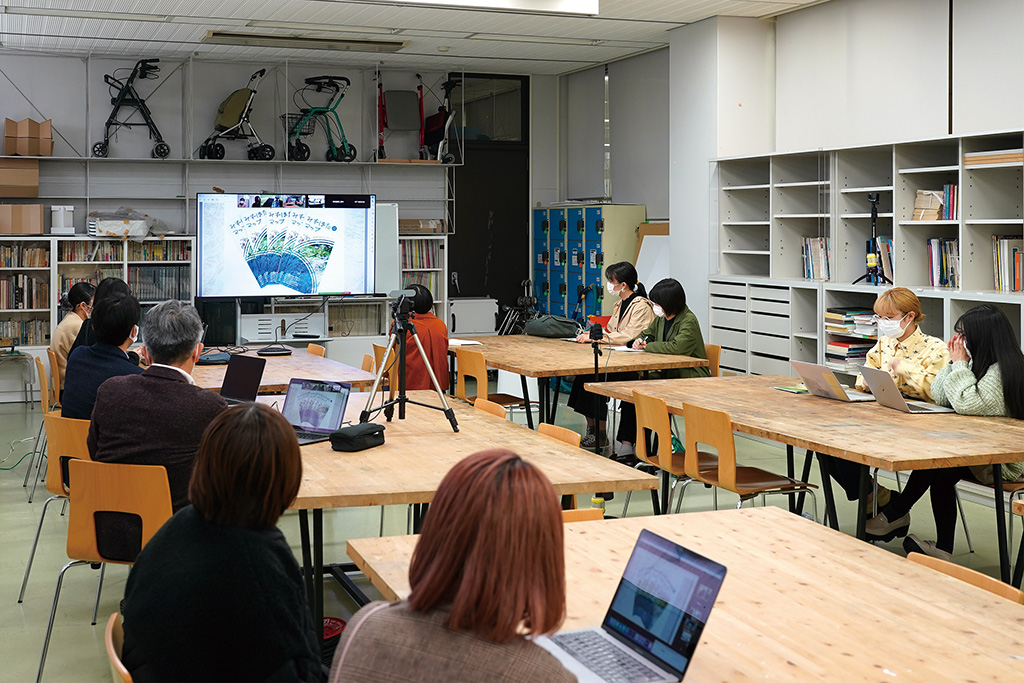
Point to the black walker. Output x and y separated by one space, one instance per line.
128 96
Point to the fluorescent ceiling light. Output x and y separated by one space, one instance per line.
552 40
118 16
301 42
320 28
575 7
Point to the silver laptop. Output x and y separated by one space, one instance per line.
888 394
655 620
315 408
242 379
821 381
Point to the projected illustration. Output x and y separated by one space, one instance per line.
313 407
285 250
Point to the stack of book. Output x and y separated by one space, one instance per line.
937 205
998 156
847 355
944 262
864 325
1006 259
816 257
842 319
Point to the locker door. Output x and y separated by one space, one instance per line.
558 290
594 224
576 294
559 260
574 245
541 259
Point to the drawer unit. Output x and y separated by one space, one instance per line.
737 320
731 303
770 293
728 289
775 346
763 365
731 339
769 324
775 307
733 360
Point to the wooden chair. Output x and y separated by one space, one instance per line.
54 377
714 354
561 433
975 578
45 403
108 487
114 637
490 407
714 428
367 363
582 515
472 364
653 440
316 350
67 440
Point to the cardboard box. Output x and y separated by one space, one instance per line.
19 178
28 138
421 226
21 219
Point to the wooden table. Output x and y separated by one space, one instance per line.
281 369
864 433
800 601
543 358
417 453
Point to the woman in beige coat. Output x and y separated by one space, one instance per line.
631 315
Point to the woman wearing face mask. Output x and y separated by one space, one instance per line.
912 357
631 314
985 377
79 300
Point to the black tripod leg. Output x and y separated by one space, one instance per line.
791 473
553 405
830 502
803 477
526 403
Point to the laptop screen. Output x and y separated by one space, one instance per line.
316 406
242 378
663 601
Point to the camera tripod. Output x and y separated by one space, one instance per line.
874 274
403 325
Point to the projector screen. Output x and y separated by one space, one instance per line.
285 244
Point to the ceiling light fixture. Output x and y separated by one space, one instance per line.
301 42
320 28
84 14
550 40
573 7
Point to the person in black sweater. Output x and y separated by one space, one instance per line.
217 595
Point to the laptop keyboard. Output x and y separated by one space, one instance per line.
310 436
605 659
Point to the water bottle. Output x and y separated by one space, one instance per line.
597 502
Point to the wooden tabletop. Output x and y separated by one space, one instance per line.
281 369
1018 507
419 451
800 601
543 357
865 432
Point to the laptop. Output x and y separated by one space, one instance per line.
821 381
888 394
315 408
655 620
242 379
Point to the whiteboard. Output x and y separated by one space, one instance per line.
387 274
653 263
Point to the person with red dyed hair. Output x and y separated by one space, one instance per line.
487 572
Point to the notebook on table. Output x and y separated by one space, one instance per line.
821 381
242 379
888 394
315 408
655 620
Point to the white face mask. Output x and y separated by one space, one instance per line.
967 350
659 311
613 289
891 328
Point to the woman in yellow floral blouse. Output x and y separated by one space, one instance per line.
912 357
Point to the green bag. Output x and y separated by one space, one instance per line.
554 326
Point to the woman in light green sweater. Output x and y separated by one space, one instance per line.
985 377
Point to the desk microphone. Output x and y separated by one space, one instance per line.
596 332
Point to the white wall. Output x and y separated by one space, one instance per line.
746 86
544 151
988 65
584 106
857 72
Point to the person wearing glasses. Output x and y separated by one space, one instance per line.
912 357
79 302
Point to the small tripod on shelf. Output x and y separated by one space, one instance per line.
401 313
874 274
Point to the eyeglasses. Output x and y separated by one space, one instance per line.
879 318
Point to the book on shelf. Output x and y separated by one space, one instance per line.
848 349
884 244
937 205
864 325
1006 260
943 262
26 332
17 256
842 365
842 319
421 254
159 283
21 291
999 156
815 252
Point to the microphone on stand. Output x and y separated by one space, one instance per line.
596 332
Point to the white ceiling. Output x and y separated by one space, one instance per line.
436 38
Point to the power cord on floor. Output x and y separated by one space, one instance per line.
11 453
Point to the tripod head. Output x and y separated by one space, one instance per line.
401 308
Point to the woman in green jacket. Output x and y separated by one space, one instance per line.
985 377
675 330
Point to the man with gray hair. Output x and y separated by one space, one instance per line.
158 417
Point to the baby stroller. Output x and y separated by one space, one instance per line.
233 123
434 132
127 96
304 123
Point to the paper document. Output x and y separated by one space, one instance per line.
625 348
464 342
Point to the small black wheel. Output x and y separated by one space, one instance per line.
448 159
202 151
330 156
100 149
266 152
161 150
350 155
216 151
252 154
301 151
291 152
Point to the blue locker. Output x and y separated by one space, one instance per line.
574 243
594 224
541 259
575 284
558 290
595 297
559 259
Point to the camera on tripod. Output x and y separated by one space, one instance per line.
401 308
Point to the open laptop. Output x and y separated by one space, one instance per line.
315 408
242 379
655 620
888 394
821 381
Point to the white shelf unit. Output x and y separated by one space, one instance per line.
424 260
763 313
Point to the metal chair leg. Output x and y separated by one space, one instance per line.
37 453
899 484
625 506
683 483
64 507
32 553
408 520
381 521
45 464
99 589
53 614
874 495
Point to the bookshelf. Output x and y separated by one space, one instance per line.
763 311
424 261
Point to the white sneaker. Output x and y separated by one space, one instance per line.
913 544
879 528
